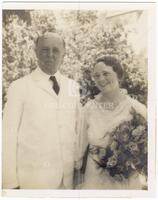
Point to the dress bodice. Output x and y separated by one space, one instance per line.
101 121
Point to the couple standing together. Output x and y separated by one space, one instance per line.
44 141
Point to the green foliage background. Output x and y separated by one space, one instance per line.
87 35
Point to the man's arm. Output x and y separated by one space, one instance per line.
81 136
11 121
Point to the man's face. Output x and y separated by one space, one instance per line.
50 52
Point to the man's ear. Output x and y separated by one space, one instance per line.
64 53
62 60
63 56
36 51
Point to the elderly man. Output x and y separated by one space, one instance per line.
39 123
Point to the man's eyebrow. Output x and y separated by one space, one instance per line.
105 71
96 73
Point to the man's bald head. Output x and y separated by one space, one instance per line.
50 50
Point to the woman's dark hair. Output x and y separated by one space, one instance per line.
112 62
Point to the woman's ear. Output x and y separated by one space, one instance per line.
121 80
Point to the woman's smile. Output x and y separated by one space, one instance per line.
104 84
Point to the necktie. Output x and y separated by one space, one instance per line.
55 87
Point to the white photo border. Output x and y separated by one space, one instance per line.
150 7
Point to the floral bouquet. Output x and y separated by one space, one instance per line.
127 151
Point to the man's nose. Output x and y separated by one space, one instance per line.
51 54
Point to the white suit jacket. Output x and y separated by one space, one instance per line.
39 133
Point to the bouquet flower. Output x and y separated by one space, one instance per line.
127 150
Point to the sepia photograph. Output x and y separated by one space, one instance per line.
78 109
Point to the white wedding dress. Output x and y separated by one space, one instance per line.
96 122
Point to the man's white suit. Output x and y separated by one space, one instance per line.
39 132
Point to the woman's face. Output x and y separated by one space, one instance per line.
105 78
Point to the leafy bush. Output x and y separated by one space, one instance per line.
86 37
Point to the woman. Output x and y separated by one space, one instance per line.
100 117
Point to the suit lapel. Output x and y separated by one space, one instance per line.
63 87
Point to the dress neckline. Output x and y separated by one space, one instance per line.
109 106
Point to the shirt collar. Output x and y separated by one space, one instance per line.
46 76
